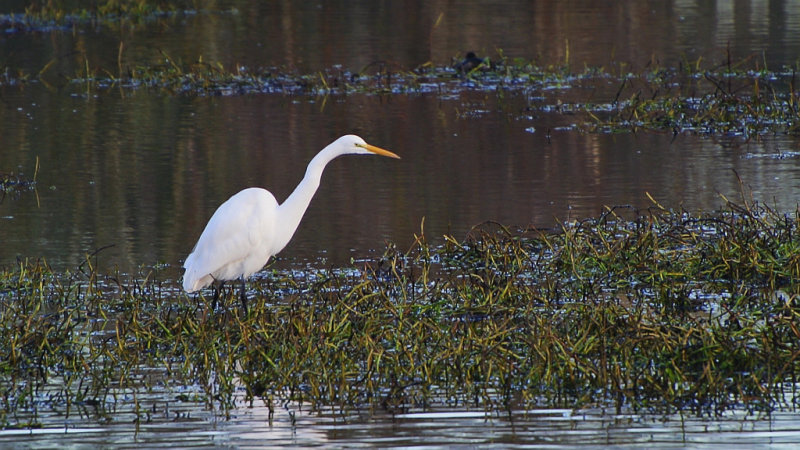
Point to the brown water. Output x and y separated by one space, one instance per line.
142 170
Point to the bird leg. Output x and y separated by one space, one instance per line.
219 287
217 290
243 294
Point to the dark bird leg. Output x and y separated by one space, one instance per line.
217 290
243 294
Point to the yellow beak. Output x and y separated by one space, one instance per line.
378 151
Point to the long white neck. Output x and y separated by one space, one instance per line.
290 212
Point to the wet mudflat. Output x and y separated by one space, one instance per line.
646 309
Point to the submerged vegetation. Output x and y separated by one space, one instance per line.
668 310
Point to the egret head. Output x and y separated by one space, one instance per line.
357 145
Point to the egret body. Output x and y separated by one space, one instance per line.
250 227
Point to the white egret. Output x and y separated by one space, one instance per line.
251 226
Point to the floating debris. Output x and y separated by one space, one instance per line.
17 182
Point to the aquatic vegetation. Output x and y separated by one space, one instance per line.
16 182
48 15
661 311
734 97
730 100
743 104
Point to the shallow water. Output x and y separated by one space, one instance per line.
142 170
174 424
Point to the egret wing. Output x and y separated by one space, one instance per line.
235 242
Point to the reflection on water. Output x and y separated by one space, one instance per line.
315 35
145 172
293 425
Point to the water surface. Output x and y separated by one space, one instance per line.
142 170
173 424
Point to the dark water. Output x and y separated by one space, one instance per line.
142 170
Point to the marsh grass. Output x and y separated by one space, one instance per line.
666 311
735 96
740 99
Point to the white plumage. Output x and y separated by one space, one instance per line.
235 242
